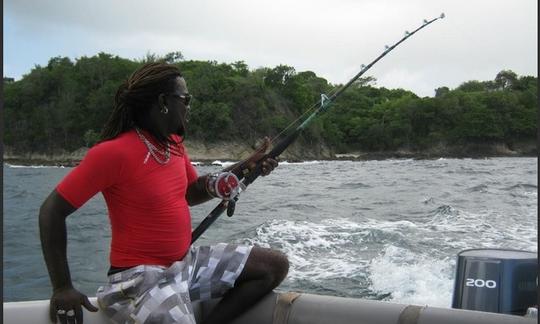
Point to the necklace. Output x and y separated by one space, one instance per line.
154 151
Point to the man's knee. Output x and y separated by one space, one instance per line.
265 264
279 267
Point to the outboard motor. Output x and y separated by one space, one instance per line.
496 280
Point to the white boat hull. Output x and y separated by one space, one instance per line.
293 308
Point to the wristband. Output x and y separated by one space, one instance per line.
222 185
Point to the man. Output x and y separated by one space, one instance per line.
148 182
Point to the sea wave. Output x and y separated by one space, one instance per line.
281 163
223 163
301 162
522 186
415 278
15 166
478 188
317 251
461 229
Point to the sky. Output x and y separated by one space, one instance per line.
476 40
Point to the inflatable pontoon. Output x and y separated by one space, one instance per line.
491 287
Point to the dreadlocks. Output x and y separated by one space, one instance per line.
134 98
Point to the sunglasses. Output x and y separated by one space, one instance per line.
185 98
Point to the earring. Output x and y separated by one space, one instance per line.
164 110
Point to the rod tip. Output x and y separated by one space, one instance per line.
442 15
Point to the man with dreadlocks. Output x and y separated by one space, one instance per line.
145 175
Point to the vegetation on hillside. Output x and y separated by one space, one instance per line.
63 106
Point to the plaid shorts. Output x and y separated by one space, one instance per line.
156 294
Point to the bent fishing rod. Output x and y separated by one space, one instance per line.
321 106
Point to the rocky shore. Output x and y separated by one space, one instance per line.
207 153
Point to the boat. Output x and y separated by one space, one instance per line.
492 286
297 308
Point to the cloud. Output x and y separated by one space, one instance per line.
332 38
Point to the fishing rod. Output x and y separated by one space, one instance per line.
322 105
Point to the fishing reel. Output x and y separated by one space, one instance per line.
225 186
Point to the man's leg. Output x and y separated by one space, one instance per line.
265 269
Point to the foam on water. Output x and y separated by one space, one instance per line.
301 163
416 265
337 249
340 248
281 163
14 166
412 278
316 251
524 190
223 164
394 161
461 229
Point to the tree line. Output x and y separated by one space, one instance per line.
64 105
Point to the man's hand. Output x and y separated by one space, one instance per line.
66 306
268 164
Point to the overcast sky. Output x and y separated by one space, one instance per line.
476 40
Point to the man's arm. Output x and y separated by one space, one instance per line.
53 234
197 193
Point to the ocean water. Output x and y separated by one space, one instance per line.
385 230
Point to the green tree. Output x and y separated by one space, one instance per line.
64 104
506 79
439 92
173 57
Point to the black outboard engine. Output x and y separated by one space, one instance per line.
496 280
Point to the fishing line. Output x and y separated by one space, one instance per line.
323 105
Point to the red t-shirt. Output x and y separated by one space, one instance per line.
148 211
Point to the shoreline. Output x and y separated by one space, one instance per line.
339 157
205 154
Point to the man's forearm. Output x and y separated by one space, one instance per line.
53 236
54 245
197 193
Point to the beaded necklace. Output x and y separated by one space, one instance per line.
154 151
